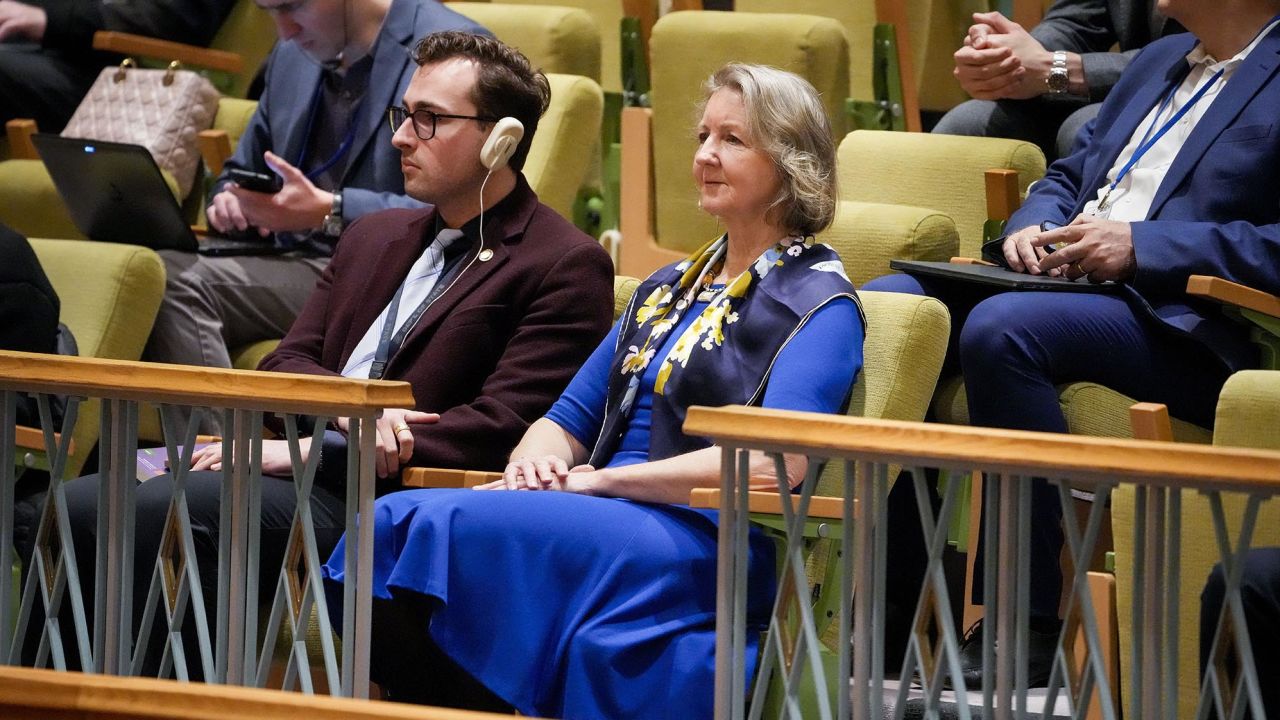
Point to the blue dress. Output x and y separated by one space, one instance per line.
572 606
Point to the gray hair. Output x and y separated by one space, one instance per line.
787 121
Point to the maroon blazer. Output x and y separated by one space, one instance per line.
493 352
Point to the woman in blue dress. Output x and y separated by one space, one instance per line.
581 585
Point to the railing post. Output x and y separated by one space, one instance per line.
8 556
725 562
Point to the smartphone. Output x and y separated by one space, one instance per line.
268 183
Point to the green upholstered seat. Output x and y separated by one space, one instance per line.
109 295
686 48
868 235
566 142
943 172
1248 415
556 39
857 19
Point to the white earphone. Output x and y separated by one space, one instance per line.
501 143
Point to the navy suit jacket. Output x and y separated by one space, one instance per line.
372 179
1216 212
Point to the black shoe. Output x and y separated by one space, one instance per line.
1041 646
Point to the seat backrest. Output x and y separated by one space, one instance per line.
937 28
109 294
686 48
607 15
564 145
249 32
943 172
858 19
555 39
624 286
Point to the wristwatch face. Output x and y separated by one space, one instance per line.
1057 81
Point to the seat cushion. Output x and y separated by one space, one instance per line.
868 235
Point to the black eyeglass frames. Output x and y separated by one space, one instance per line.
424 121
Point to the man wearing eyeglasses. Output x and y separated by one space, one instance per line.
320 127
486 303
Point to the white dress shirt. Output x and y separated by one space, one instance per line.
418 284
1132 198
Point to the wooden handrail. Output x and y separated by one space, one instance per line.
1017 452
143 46
770 503
29 438
1229 293
188 385
27 692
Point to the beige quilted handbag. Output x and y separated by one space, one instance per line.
161 110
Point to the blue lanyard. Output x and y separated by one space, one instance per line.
1149 141
343 147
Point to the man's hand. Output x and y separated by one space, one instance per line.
1098 249
1001 60
393 437
20 20
298 207
1022 255
275 457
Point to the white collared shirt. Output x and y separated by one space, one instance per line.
1132 198
418 284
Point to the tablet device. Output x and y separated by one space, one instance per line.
998 277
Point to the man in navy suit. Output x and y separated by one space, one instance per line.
321 126
1178 175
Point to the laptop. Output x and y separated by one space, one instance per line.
998 277
116 193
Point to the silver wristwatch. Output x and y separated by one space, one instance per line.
1057 80
332 224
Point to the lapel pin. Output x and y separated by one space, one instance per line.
486 255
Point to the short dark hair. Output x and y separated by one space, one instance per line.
507 85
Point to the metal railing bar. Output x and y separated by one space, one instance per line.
741 549
8 480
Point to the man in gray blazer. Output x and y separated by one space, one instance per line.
321 127
1044 85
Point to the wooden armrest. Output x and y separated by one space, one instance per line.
970 261
1229 293
1002 193
191 55
640 255
215 149
29 438
442 478
19 132
820 507
1150 421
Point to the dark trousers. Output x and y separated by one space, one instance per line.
152 498
1014 348
43 84
1260 595
409 666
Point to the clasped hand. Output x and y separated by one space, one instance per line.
393 441
544 473
1091 247
297 207
1001 60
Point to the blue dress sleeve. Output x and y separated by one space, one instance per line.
580 409
816 369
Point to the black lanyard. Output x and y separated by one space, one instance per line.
389 344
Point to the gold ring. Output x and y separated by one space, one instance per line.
401 427
1079 269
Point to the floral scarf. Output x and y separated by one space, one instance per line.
725 353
